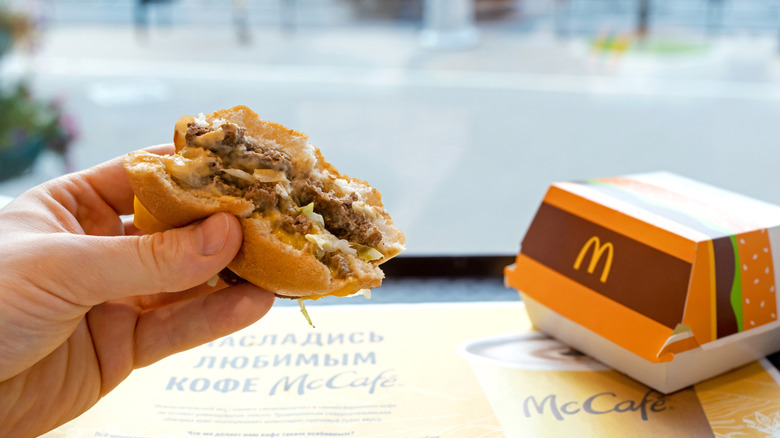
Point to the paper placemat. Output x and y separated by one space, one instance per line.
420 370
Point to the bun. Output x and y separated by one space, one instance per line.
309 231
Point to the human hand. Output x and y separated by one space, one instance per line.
85 298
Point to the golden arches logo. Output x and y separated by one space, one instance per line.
598 251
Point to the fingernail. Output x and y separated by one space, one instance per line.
213 234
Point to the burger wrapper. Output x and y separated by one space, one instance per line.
663 278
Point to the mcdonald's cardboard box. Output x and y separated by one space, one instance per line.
665 279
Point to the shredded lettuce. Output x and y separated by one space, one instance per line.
331 243
308 211
368 253
305 313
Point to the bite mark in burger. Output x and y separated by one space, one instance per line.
309 231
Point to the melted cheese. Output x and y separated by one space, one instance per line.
209 139
295 240
191 167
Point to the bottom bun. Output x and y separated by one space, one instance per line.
266 261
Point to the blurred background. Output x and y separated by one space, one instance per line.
460 111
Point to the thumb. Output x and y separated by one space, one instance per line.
170 261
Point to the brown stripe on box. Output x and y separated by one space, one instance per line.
639 277
725 264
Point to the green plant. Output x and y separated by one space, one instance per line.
25 119
28 125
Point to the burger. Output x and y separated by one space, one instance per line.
308 230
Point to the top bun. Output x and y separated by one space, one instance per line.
309 231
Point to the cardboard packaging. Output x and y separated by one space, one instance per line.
665 279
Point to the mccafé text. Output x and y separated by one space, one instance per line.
597 404
343 380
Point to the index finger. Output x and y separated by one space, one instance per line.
111 183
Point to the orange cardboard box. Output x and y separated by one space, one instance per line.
665 279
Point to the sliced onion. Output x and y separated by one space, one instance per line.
282 190
269 175
209 138
240 174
